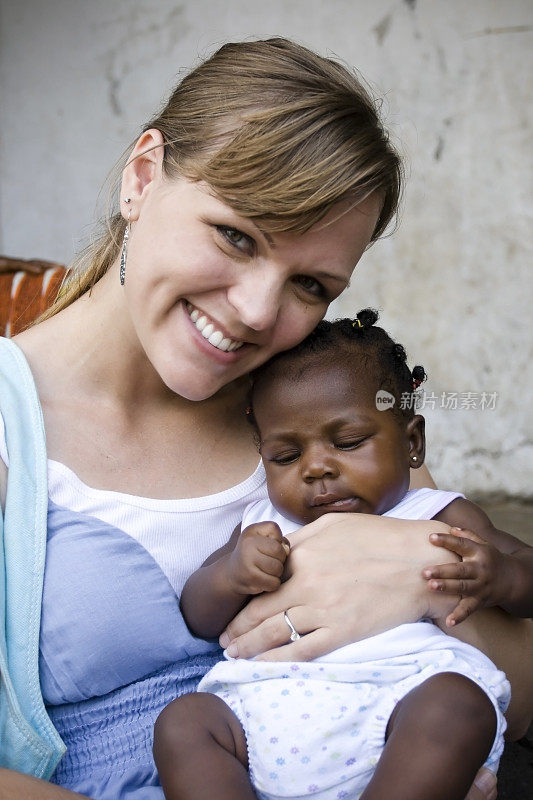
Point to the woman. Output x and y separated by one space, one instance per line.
244 207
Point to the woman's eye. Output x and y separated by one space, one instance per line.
237 239
312 286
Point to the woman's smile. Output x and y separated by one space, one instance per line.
211 330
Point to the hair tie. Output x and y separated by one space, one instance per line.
419 376
358 321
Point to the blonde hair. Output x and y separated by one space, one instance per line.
278 132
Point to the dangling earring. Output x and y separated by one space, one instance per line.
125 246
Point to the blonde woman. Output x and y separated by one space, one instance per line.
244 207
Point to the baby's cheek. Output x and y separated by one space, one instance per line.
286 499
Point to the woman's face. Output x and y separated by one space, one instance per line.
211 295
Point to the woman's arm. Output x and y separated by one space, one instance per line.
356 575
421 478
16 786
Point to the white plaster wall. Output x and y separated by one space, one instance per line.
79 77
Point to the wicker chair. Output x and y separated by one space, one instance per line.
27 288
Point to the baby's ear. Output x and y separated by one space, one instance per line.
416 434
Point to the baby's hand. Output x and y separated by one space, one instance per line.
256 563
479 578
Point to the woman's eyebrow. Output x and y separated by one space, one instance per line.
267 236
321 274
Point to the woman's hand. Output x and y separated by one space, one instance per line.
350 576
485 786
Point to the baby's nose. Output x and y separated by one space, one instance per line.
319 466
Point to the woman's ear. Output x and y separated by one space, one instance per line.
416 435
145 165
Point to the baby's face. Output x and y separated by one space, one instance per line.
327 448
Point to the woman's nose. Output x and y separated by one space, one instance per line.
317 466
256 297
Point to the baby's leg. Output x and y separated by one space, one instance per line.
200 750
437 738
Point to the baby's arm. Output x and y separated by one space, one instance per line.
496 568
250 563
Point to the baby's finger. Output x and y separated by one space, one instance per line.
464 533
461 587
462 545
269 565
273 549
462 611
465 570
269 530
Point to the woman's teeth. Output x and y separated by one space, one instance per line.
209 332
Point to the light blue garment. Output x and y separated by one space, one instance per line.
97 623
28 741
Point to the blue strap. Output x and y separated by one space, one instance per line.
28 740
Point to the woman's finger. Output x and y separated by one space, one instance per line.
272 632
256 612
484 786
310 646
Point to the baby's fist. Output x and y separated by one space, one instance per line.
256 564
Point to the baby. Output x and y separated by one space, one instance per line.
347 724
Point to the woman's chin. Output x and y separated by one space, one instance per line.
199 389
195 394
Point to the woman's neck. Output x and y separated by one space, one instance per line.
90 350
107 412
